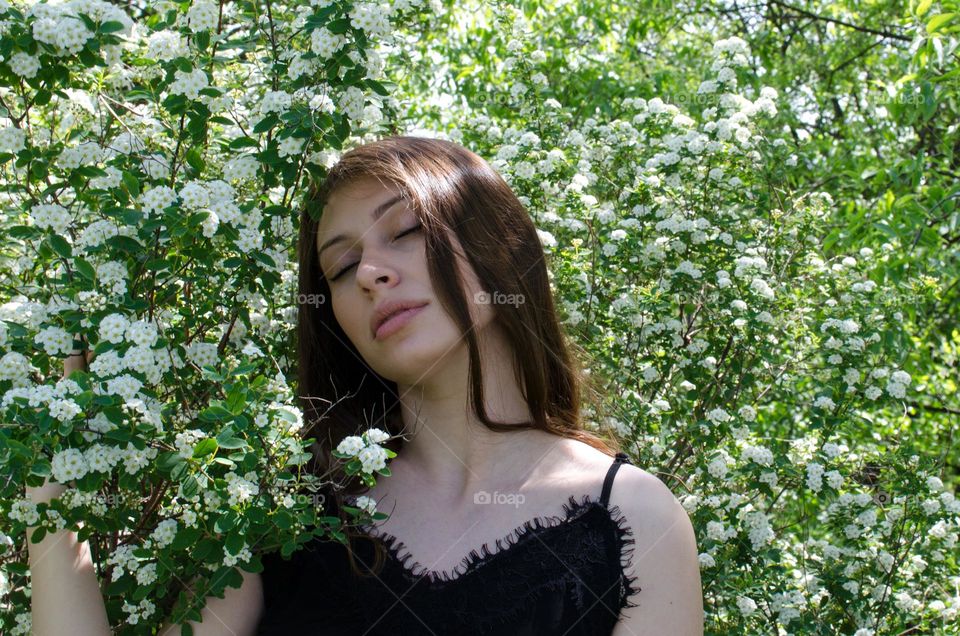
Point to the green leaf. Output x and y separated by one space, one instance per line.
121 586
157 264
377 87
319 18
214 413
190 486
131 183
176 104
243 142
235 542
227 439
341 25
938 21
264 258
166 461
227 522
111 27
195 160
204 447
203 40
38 535
266 123
60 246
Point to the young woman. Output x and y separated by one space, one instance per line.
438 312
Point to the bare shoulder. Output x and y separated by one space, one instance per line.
662 561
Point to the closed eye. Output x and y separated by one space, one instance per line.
343 271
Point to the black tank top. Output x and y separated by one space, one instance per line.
551 576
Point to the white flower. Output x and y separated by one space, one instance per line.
824 402
147 574
275 102
241 168
12 139
194 195
718 415
814 476
718 467
68 465
157 199
324 43
51 216
113 328
834 479
189 84
371 18
377 436
352 102
758 454
896 390
901 377
165 45
241 489
372 458
367 504
165 532
351 445
203 15
746 605
546 238
55 341
24 65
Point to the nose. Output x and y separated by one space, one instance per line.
374 272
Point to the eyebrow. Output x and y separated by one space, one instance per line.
379 211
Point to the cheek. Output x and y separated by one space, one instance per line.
345 314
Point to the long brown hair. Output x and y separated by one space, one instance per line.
451 190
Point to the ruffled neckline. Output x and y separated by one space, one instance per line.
476 559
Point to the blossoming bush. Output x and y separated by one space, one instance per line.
152 159
152 162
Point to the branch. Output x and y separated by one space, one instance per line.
886 34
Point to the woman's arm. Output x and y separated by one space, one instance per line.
664 559
236 614
66 597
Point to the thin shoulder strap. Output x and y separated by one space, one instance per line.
621 458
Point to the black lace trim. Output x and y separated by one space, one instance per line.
627 544
573 510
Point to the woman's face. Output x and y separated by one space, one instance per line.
373 252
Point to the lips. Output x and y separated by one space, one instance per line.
386 310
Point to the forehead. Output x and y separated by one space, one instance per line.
356 199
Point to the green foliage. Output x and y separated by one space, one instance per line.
749 214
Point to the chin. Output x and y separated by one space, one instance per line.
413 355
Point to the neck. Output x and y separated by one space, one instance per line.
447 448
